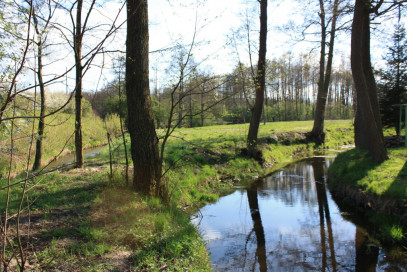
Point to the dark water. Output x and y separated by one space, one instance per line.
289 222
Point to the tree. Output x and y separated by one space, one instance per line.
368 125
259 80
41 29
317 132
393 84
73 36
144 141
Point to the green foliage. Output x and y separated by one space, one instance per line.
393 79
115 105
390 228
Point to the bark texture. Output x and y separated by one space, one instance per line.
259 82
317 133
78 85
41 121
144 141
368 126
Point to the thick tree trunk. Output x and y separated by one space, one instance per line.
78 85
144 141
368 127
259 82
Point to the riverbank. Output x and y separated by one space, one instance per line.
83 220
58 139
376 191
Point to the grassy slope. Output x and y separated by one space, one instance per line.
206 161
85 222
58 137
387 181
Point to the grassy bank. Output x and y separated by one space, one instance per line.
205 162
58 137
381 187
83 221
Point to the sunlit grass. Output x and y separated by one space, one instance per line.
388 179
159 235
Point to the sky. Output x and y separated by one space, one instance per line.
174 23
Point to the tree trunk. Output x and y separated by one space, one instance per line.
368 127
41 121
259 82
78 85
144 141
317 133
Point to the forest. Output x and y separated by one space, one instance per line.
197 136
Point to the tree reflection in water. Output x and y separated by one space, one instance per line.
289 222
323 208
366 255
257 227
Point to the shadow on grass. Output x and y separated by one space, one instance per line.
351 166
72 195
399 185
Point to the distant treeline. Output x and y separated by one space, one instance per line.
206 99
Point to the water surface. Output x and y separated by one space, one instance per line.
288 222
70 157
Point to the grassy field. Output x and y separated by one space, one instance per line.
82 220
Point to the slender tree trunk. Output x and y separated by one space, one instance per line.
41 121
258 228
317 132
259 82
144 141
78 85
368 127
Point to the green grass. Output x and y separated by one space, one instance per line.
387 180
58 138
202 162
85 217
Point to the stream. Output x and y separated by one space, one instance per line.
288 222
70 157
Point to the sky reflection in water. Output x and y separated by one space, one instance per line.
287 223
